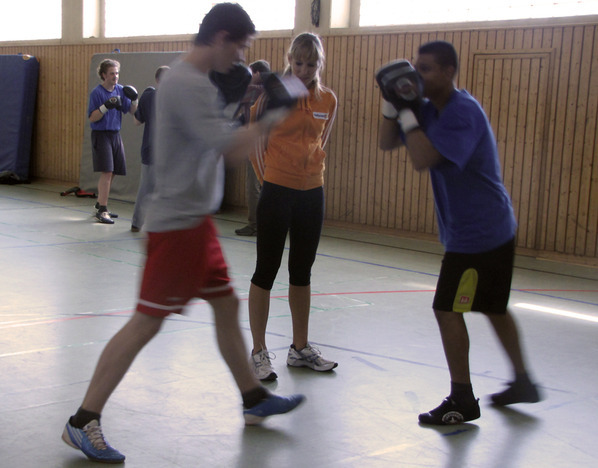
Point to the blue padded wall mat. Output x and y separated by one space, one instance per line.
18 89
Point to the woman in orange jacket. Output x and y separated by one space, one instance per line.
290 165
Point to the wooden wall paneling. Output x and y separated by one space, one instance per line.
71 126
532 151
351 165
591 248
391 159
369 194
556 137
508 158
387 52
574 159
491 40
523 156
482 40
521 159
73 123
58 104
403 173
346 162
399 158
500 120
500 39
541 162
410 174
547 153
528 37
355 169
563 140
554 148
462 46
518 39
366 170
329 183
346 202
584 130
384 179
333 175
528 96
537 39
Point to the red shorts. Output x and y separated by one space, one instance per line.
182 265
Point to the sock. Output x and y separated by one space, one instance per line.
83 417
254 396
461 391
102 208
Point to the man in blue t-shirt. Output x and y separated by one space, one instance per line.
107 102
449 134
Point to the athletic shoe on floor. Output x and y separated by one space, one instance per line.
135 228
104 217
91 442
309 357
517 392
451 412
246 231
262 366
112 215
270 406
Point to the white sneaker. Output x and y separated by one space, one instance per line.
311 357
262 367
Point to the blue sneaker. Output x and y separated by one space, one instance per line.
91 442
272 405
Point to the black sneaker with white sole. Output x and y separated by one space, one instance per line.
517 392
104 217
451 412
112 215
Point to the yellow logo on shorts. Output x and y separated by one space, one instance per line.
466 291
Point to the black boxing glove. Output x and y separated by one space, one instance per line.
114 102
401 86
131 93
283 91
232 85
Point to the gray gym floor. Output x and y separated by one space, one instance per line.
68 284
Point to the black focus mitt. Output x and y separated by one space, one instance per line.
283 91
401 85
232 85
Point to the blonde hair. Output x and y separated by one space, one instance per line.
308 46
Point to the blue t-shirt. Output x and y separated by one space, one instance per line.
145 115
112 119
473 207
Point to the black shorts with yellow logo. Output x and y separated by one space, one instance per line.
476 282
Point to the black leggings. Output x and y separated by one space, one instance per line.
301 214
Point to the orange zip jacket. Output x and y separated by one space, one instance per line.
292 155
